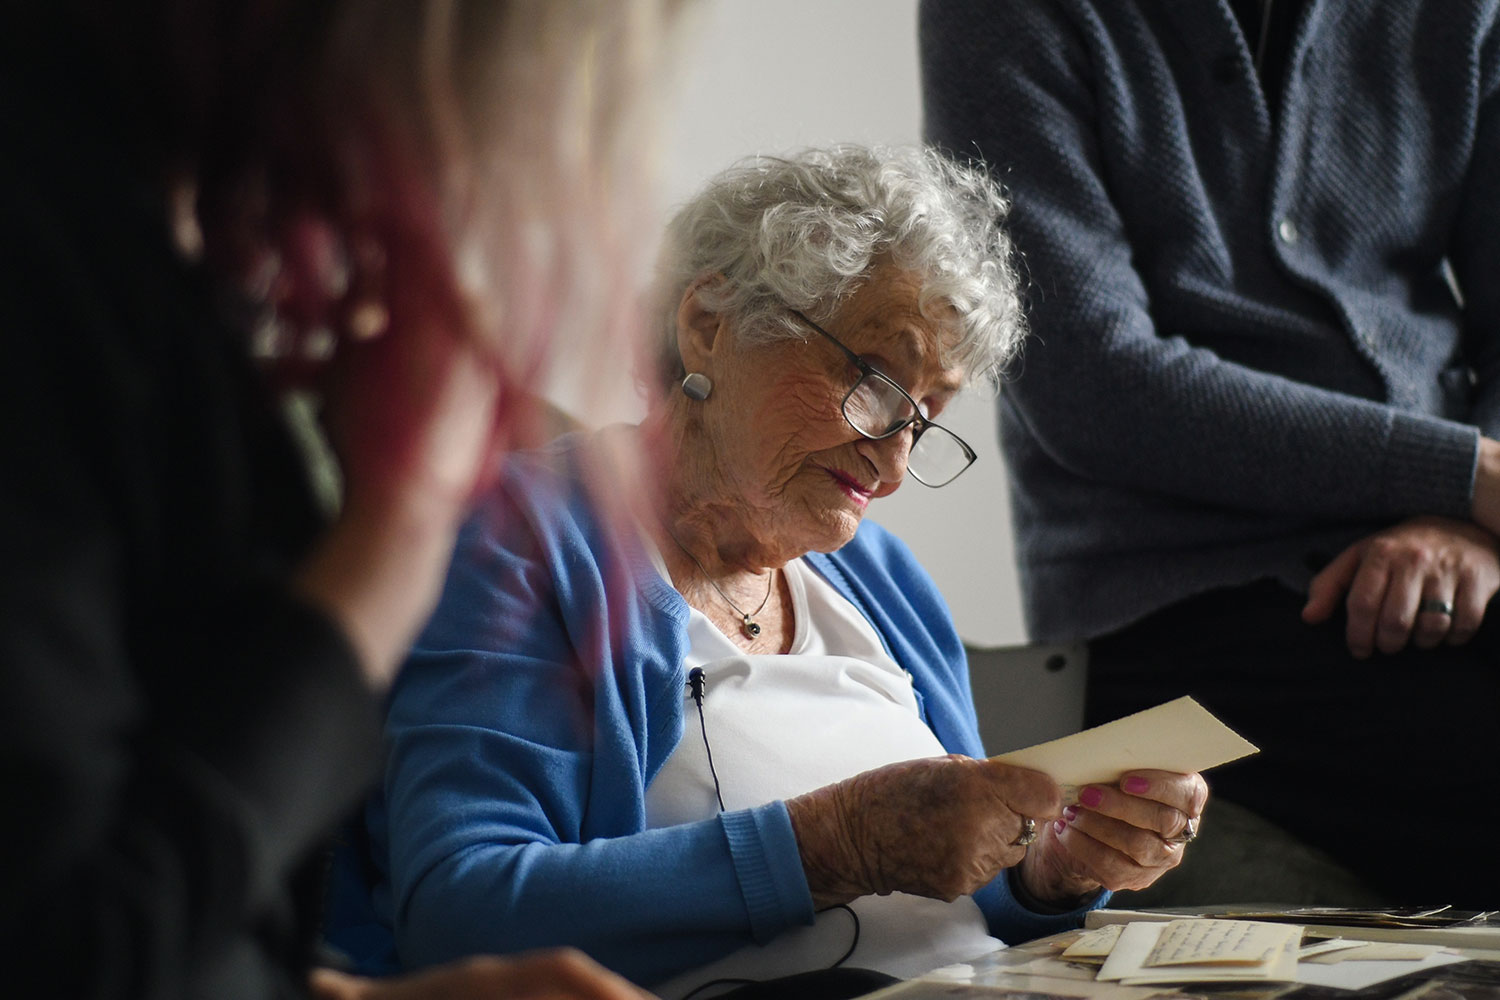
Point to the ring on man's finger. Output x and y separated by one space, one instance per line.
1028 832
1436 606
1187 836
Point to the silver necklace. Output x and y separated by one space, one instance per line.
748 624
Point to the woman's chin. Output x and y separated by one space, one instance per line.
836 529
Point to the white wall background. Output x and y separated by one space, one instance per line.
766 76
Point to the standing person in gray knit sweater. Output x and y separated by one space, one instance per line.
1252 445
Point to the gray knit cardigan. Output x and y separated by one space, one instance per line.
1245 351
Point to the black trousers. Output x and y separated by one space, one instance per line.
1388 764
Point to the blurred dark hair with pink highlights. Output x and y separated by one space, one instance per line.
493 146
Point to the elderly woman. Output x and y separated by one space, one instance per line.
731 736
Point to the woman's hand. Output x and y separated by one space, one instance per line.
549 975
415 424
416 411
417 416
939 827
1117 837
1391 575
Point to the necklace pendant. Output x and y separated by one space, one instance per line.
750 628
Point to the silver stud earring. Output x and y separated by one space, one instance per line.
697 386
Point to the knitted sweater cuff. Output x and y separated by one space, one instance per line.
1430 466
768 864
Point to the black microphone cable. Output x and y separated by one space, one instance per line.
697 683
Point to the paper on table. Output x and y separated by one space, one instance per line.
1131 950
1219 942
998 972
1097 943
1374 951
1180 735
1309 952
1128 963
1054 968
1361 975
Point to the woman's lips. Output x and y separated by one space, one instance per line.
851 487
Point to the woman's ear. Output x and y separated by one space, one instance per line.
697 327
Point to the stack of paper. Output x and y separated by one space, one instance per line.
1208 950
1203 951
1151 959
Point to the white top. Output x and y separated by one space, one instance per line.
835 705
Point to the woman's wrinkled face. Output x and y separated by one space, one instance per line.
781 441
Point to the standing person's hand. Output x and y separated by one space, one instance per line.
563 974
1123 836
1424 581
1485 506
939 827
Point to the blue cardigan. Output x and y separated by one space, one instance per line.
537 707
1246 354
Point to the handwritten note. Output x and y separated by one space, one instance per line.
1218 942
1096 943
1202 951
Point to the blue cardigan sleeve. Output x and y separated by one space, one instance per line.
522 734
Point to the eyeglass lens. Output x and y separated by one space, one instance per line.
938 456
877 408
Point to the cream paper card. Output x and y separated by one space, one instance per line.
1180 736
1375 951
1312 952
1220 942
1361 974
1203 951
1097 943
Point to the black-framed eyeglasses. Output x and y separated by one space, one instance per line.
879 408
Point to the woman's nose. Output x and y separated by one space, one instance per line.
889 455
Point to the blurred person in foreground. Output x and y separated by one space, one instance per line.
1254 450
767 762
390 207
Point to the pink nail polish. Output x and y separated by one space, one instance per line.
1091 797
1058 826
1136 785
1070 813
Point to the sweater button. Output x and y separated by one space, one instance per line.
1287 230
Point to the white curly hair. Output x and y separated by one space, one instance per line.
806 230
